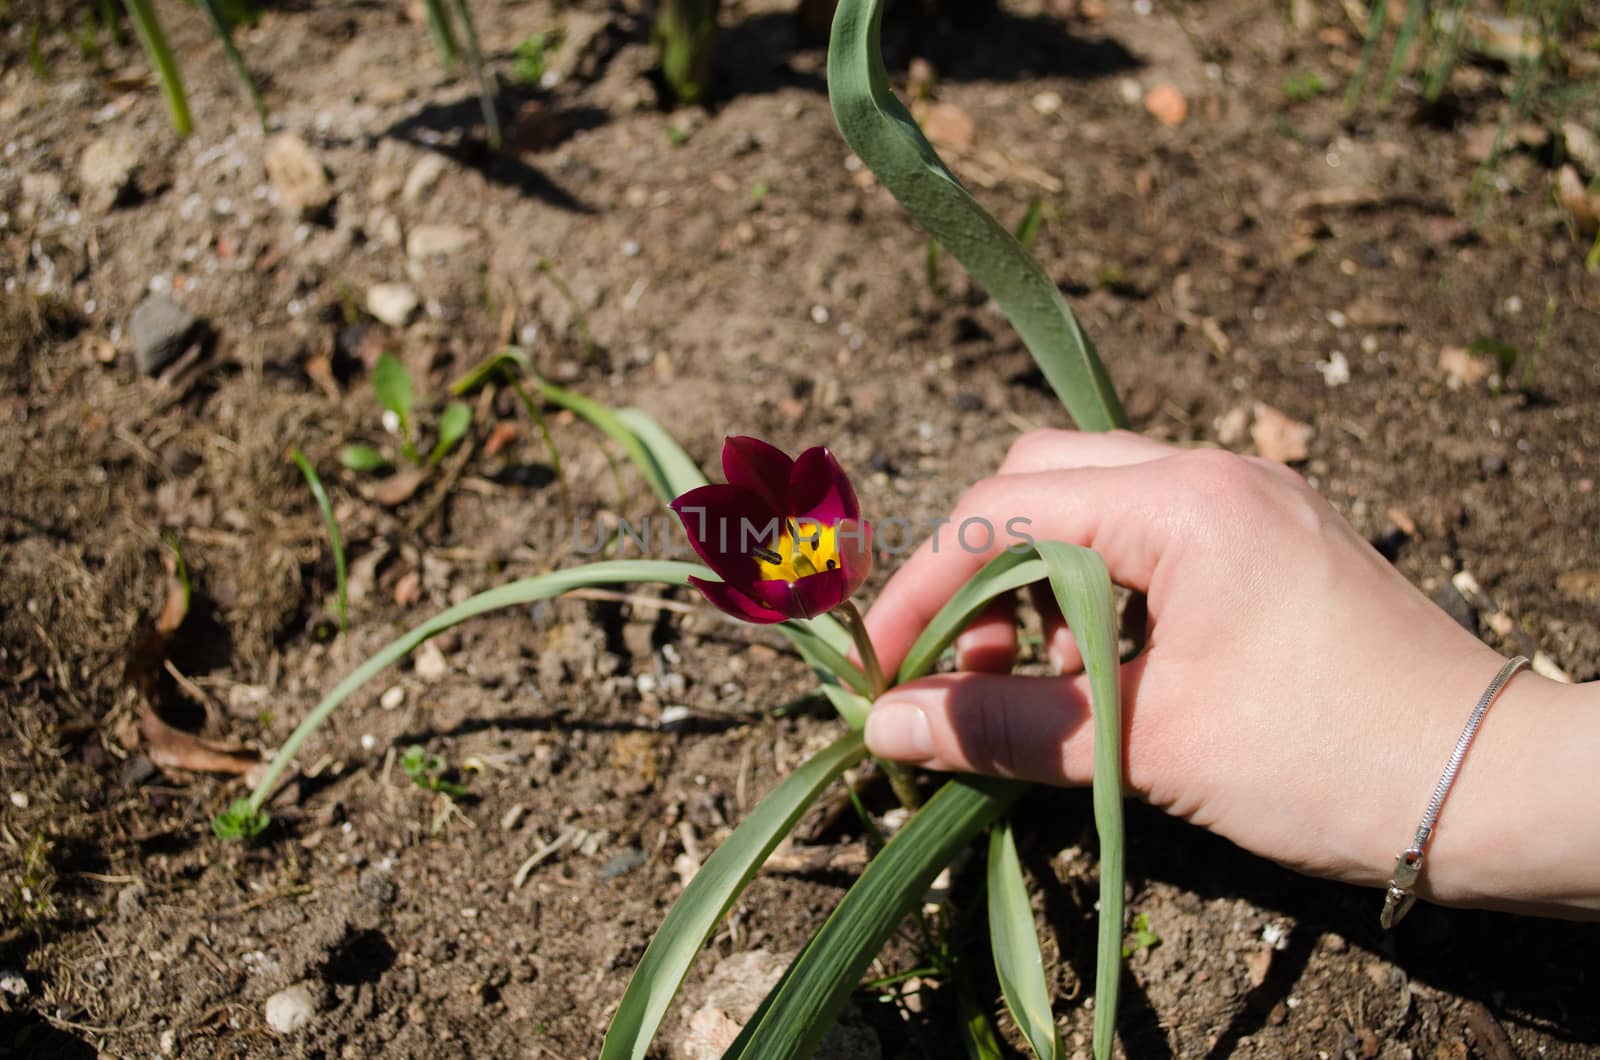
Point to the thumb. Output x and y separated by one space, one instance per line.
1031 728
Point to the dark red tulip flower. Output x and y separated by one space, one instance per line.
785 536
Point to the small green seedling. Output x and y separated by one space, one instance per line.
532 56
1303 85
239 821
429 772
391 384
1140 936
335 541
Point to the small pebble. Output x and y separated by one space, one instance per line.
13 983
392 698
290 1009
430 663
19 799
392 303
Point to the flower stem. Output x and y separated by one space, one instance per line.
901 777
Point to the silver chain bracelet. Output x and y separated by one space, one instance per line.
1408 866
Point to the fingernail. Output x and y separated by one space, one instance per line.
898 729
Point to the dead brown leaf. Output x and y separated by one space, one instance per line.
172 748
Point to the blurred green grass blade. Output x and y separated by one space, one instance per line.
224 32
1004 573
710 894
1028 227
523 591
335 542
882 132
1017 960
1409 26
439 28
1454 21
1369 50
809 998
486 91
1082 587
154 41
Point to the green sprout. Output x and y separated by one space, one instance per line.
241 820
391 385
429 772
1303 85
1140 936
532 56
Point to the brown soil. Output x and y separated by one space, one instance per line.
739 276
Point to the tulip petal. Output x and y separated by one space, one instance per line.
761 468
807 597
724 523
726 598
819 489
853 540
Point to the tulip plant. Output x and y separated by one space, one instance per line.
783 543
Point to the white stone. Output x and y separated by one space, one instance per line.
290 1009
430 662
427 241
392 303
422 179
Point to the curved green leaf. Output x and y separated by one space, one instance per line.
1017 961
709 895
669 459
810 996
880 129
335 542
1082 587
1006 572
852 708
523 591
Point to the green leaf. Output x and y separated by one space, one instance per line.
822 654
239 821
362 458
1082 588
331 524
1006 572
712 892
882 132
523 591
453 426
392 385
439 28
815 989
851 707
668 460
1017 960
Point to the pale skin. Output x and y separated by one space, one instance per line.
1296 695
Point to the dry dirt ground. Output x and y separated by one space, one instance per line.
737 272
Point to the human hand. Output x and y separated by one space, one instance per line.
1296 694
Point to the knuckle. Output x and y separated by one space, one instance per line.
1028 446
1216 473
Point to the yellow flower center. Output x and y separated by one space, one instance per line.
802 550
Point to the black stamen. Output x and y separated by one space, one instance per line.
767 554
832 564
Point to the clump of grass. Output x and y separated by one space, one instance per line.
33 888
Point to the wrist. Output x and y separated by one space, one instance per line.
1519 829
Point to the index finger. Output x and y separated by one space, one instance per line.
1120 512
